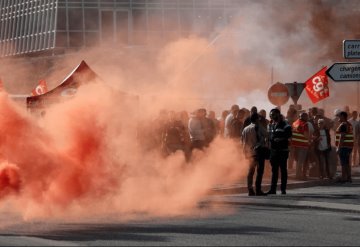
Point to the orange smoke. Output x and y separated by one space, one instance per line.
84 156
9 180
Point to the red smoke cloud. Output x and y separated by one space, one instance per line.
84 155
83 159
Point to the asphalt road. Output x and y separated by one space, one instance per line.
246 225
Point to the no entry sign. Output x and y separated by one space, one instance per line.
278 94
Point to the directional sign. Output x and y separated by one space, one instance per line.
351 49
344 72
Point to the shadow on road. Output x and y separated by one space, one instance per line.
143 233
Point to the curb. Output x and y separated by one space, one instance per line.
333 207
266 187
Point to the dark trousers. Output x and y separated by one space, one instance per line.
324 163
258 164
278 160
344 155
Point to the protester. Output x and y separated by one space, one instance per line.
262 118
300 143
311 163
291 117
224 114
210 126
253 140
354 123
357 141
233 112
197 130
279 135
329 123
174 135
344 144
237 125
323 148
247 121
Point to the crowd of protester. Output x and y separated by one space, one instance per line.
307 142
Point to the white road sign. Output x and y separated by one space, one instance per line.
344 72
351 49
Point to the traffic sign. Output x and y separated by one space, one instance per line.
344 72
278 94
295 90
351 49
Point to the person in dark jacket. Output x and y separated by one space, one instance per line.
279 135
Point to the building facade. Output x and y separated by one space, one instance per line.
32 26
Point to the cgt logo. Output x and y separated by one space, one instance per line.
69 92
39 90
318 84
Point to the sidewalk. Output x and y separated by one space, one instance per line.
241 187
311 194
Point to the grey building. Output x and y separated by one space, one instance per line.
55 26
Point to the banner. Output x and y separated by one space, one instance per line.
40 89
317 86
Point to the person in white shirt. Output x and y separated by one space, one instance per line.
322 142
197 129
253 140
233 112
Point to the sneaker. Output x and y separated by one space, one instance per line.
283 192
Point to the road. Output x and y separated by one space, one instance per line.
274 220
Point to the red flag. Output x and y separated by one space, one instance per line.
317 86
40 89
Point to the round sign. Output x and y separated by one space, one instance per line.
278 94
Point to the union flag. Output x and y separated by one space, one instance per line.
317 86
40 89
